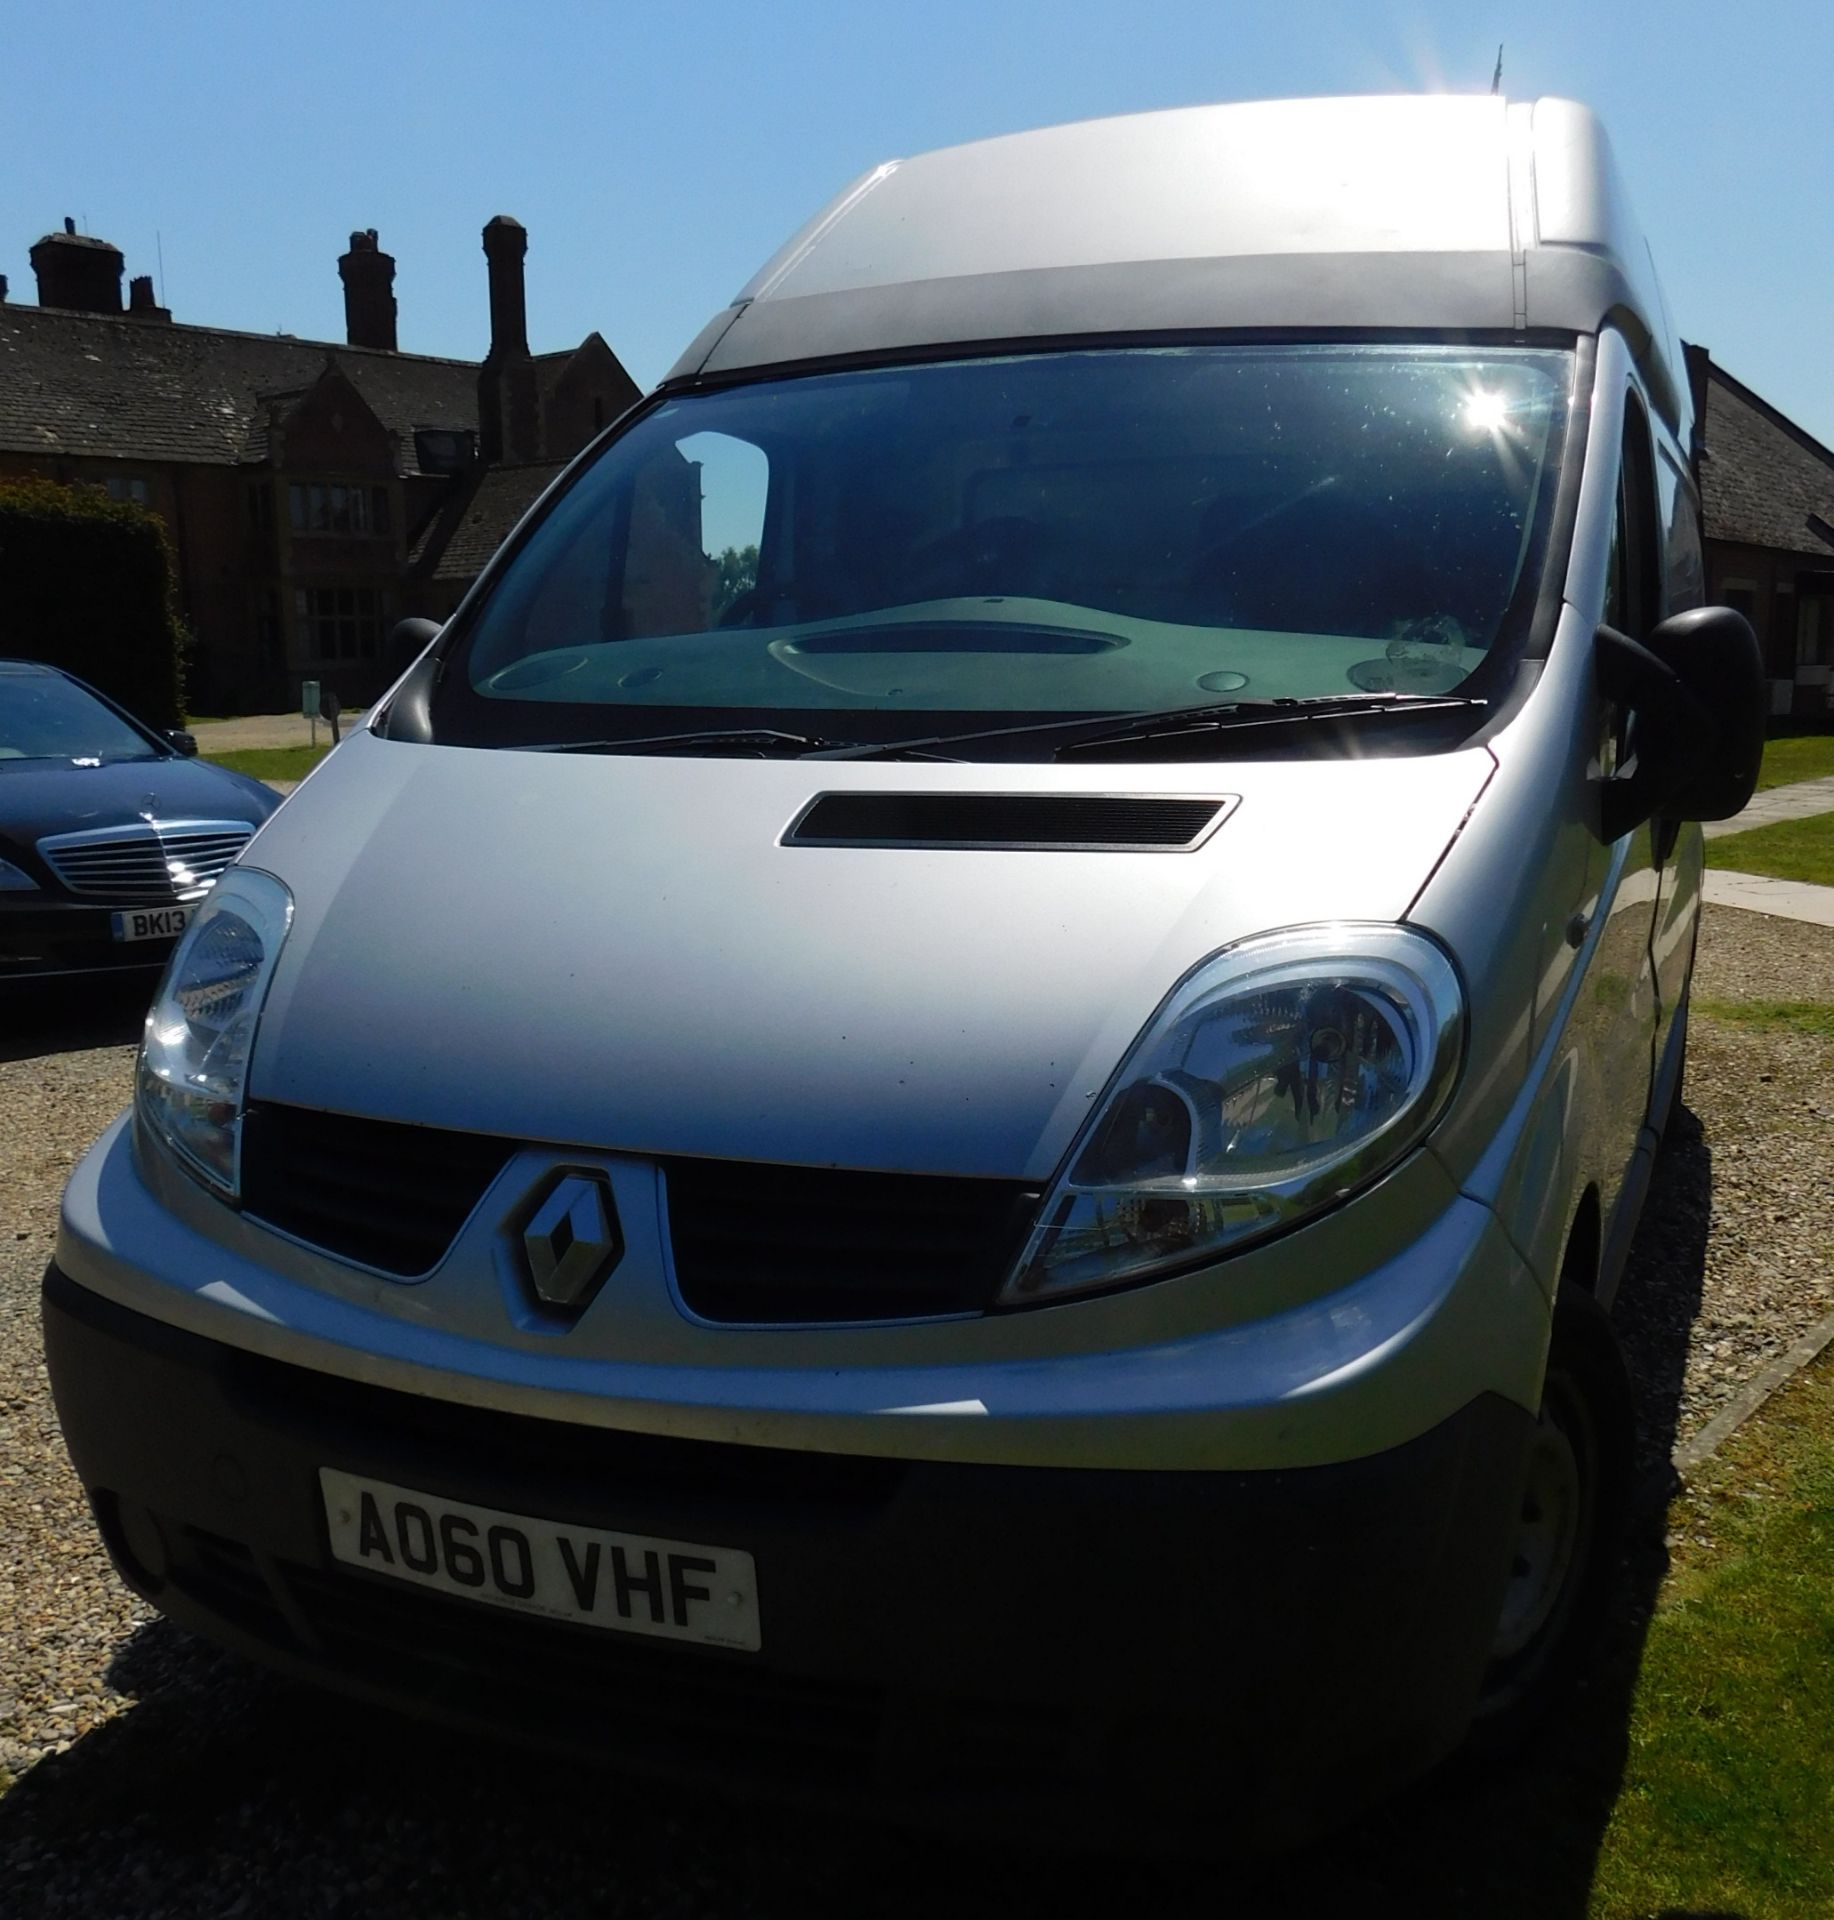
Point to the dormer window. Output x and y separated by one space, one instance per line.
330 508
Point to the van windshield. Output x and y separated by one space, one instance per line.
876 555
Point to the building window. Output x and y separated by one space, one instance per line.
273 653
1741 599
340 623
120 487
261 508
1815 631
444 449
1785 645
326 508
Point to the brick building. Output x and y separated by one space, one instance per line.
314 491
1767 501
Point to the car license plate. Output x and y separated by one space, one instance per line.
150 923
625 1581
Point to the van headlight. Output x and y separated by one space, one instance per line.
193 1069
1280 1076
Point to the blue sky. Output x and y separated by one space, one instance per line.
658 154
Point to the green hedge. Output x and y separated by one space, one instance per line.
86 584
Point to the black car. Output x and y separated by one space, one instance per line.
109 831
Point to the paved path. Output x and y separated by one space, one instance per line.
1757 893
278 730
1786 899
1794 802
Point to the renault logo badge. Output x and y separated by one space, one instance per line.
571 1241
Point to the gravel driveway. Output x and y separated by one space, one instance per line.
154 1777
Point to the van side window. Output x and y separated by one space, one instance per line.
1633 577
696 524
1684 575
1617 595
1633 580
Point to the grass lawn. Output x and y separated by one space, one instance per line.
1790 850
1796 756
1775 1016
1728 1800
272 763
1692 1776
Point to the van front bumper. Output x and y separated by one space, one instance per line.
1261 1652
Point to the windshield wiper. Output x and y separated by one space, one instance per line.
1108 730
1138 736
763 741
1145 734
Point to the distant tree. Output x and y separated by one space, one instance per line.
87 583
735 572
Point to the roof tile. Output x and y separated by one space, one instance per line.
1763 476
128 389
463 536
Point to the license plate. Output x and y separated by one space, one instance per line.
150 923
626 1581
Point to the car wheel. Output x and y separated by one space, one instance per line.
1574 1494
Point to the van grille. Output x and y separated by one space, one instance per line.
759 1243
379 1191
150 865
752 1243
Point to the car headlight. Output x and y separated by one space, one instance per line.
193 1070
1281 1075
15 879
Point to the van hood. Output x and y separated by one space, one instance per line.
618 951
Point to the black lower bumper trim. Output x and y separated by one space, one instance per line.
51 937
1268 1649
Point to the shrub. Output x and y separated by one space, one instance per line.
86 584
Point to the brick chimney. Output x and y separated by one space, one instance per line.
369 298
77 272
140 302
1698 362
508 429
506 241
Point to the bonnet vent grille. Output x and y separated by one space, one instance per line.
1070 822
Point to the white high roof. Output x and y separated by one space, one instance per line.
1266 177
1379 212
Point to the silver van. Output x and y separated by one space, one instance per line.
948 1100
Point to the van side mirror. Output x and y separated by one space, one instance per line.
1697 704
409 640
186 743
408 714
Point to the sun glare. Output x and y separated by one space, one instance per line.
1487 412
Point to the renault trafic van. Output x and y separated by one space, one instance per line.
949 1098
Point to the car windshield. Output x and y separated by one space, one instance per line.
882 554
46 717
